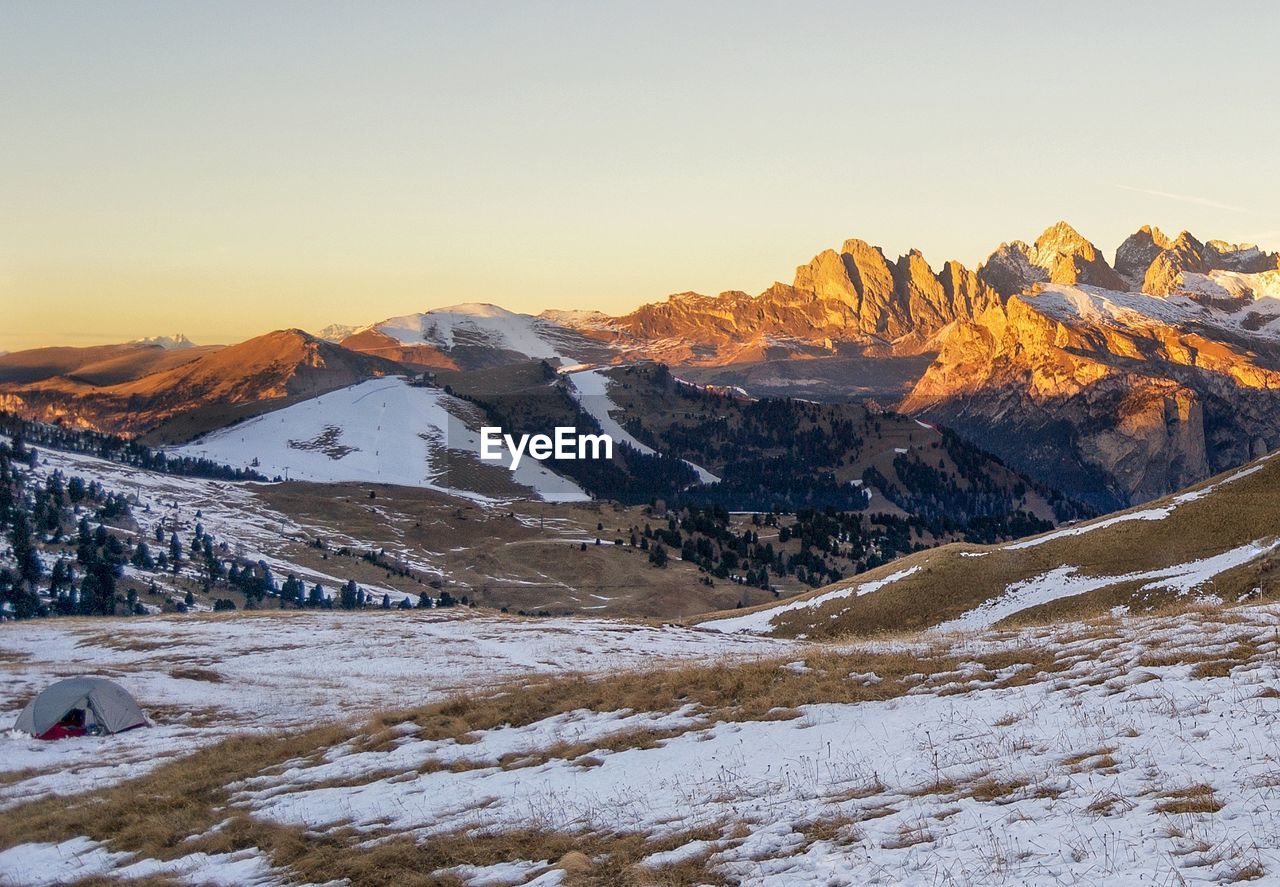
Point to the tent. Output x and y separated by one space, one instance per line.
80 706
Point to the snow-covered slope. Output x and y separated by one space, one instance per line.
1241 304
474 335
472 324
381 431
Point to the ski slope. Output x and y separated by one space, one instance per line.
591 389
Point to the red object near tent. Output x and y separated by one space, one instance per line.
62 731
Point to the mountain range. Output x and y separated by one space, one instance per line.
1116 382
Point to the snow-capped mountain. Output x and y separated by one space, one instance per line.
335 332
471 336
1117 395
1118 383
177 340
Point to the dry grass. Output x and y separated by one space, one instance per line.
908 835
590 859
1109 803
196 674
757 690
11 777
946 584
541 568
127 643
1250 871
992 788
839 830
153 813
173 810
1097 759
1194 799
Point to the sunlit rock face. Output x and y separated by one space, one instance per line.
853 296
1118 396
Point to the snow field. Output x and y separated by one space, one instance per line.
1129 750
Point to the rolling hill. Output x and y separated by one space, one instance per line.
187 390
95 365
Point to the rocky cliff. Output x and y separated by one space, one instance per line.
1117 397
853 296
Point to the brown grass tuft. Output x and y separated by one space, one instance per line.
1195 799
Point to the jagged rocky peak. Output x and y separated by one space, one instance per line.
1069 258
1009 270
1139 250
1167 271
1059 255
1245 258
827 276
1164 274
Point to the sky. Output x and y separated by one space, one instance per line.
225 169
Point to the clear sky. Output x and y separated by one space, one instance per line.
223 169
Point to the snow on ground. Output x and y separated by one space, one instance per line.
209 676
379 431
1062 582
761 621
1059 781
1077 771
591 389
230 512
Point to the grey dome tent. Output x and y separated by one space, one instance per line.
75 706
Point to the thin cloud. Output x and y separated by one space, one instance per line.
1187 198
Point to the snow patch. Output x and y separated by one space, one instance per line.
761 621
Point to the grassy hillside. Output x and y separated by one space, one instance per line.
1216 540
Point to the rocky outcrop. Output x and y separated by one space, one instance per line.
851 297
1116 412
1153 264
1070 258
1135 255
1165 273
1059 255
